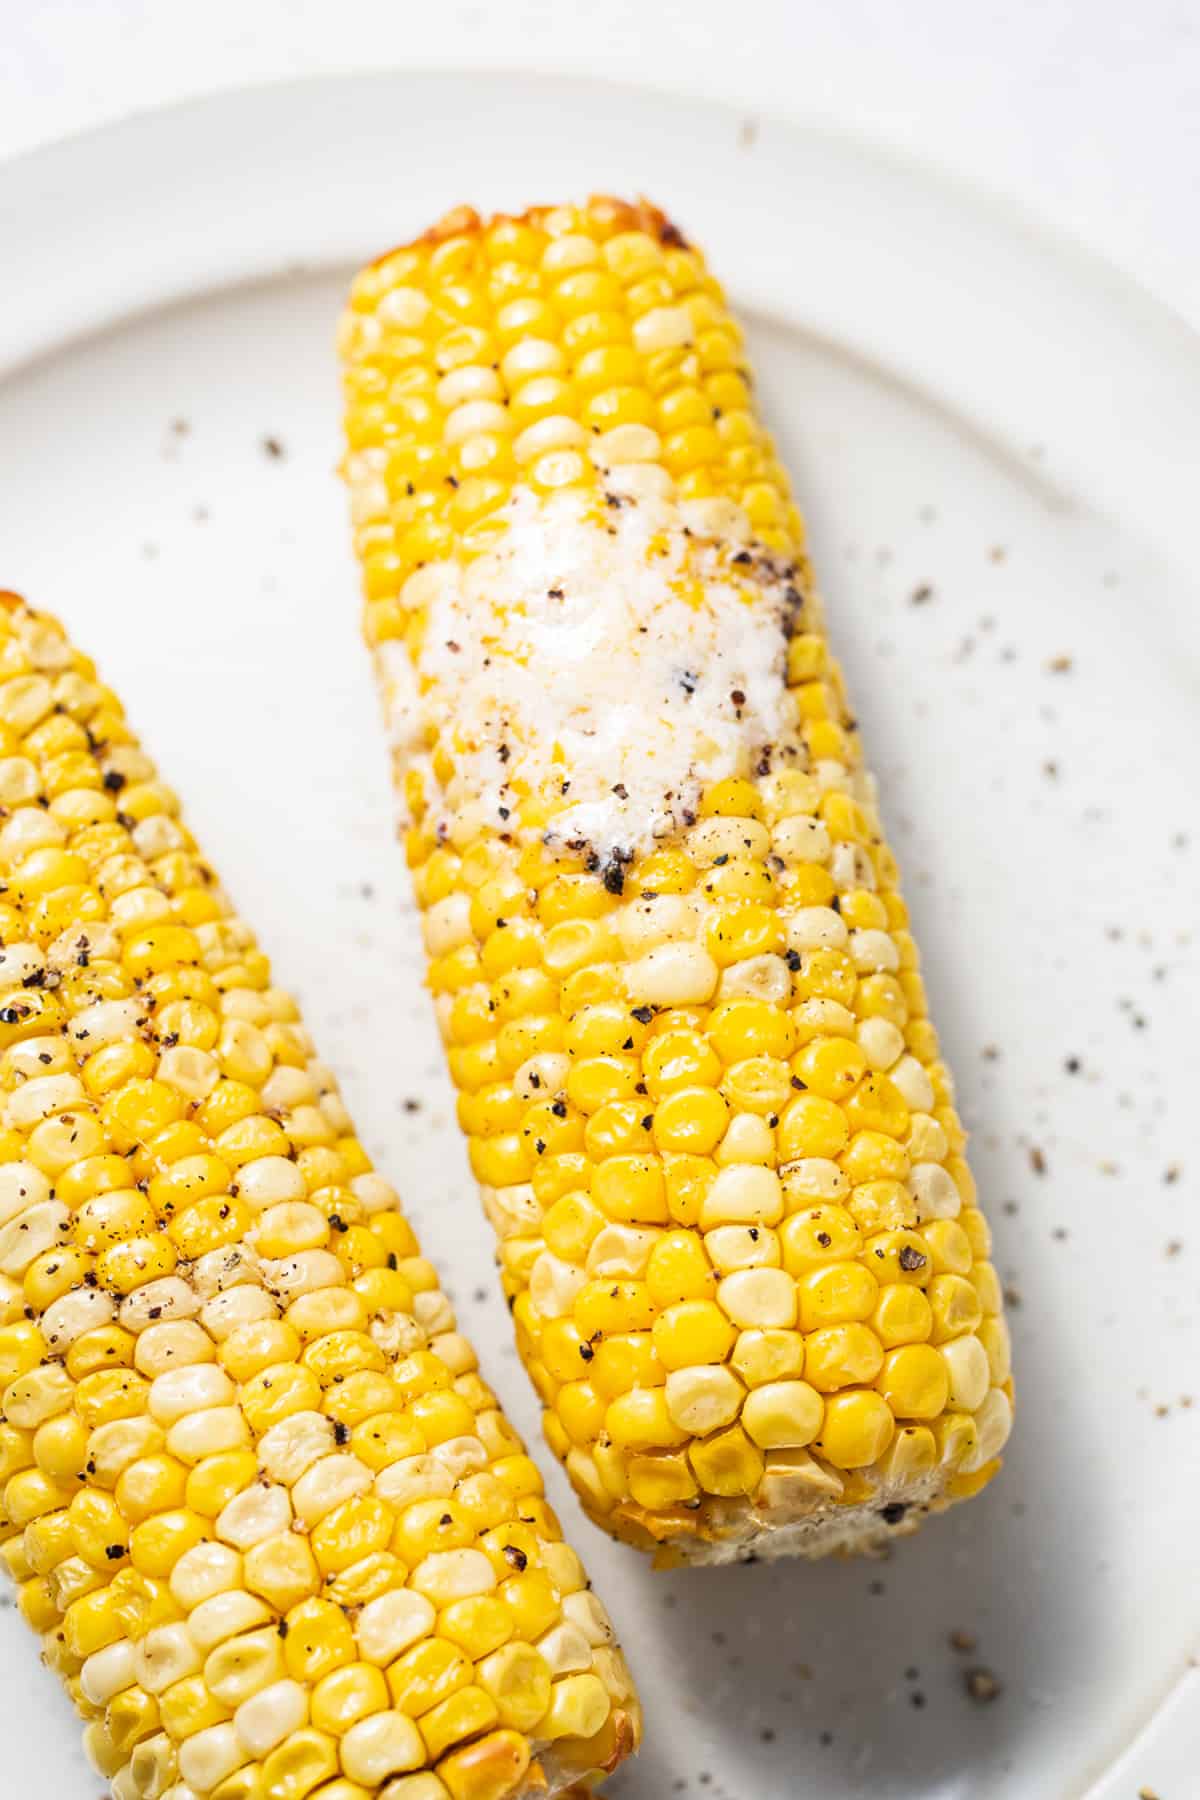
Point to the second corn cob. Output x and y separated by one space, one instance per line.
670 959
271 1526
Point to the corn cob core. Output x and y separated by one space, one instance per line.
670 959
273 1530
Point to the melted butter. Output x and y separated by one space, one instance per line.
596 667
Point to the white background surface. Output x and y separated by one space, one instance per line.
1087 111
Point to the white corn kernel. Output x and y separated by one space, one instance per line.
816 928
204 1570
542 1075
387 1626
448 1575
385 1743
109 1671
747 1139
22 1184
969 1371
164 1656
993 1422
730 1247
194 1072
106 1022
224 1616
269 1179
812 1178
565 1648
41 1098
210 1755
554 1285
236 1306
168 1298
881 1042
271 1715
256 1513
873 951
327 1484
656 919
294 1445
742 1194
701 1400
587 1612
673 974
411 1478
37 1395
849 864
180 1392
179 1344
799 839
374 1194
25 1238
208 1433
758 1297
287 1277
620 1250
764 977
68 1317
914 1084
662 328
935 1192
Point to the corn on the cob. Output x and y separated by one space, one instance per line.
272 1527
670 960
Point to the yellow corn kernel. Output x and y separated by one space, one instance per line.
856 1430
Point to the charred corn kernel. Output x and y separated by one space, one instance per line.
151 1139
683 1013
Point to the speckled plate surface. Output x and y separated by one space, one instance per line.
996 442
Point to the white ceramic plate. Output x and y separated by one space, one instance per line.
996 441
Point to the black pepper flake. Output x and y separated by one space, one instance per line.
540 1146
341 1432
114 781
738 697
446 1519
516 1557
559 1109
911 1259
688 682
921 596
824 1239
793 961
114 1552
273 447
648 1121
586 1351
282 1628
743 558
892 1513
1072 1065
337 1222
621 791
643 1014
504 753
554 593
